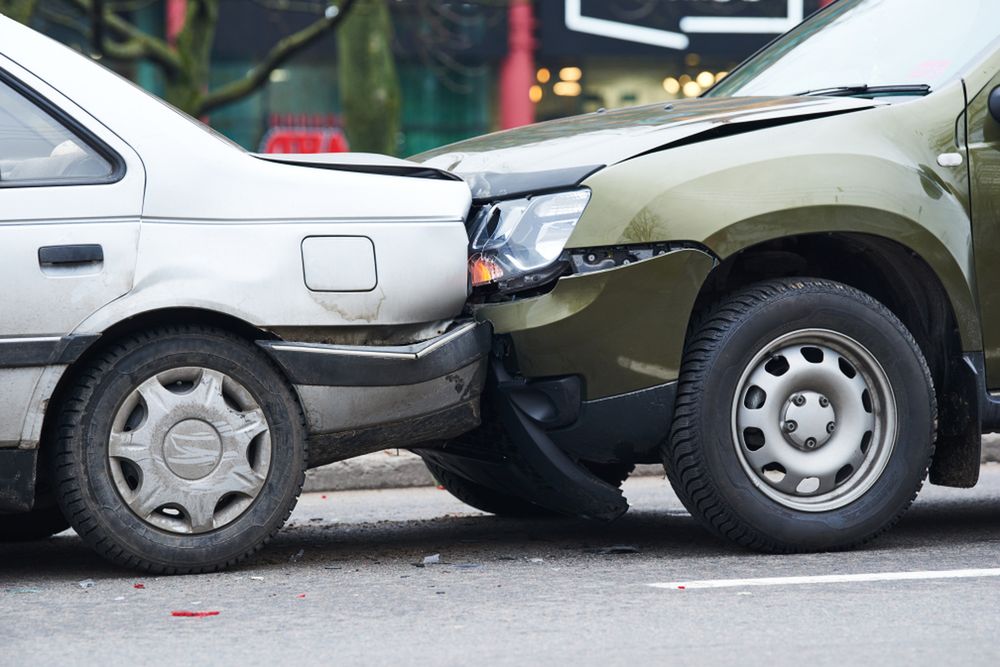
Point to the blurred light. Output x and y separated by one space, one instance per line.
570 74
719 76
692 89
279 75
535 94
567 89
692 60
671 85
685 78
705 79
544 75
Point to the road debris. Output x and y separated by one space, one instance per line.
194 614
139 586
537 560
298 556
433 559
23 591
616 549
86 583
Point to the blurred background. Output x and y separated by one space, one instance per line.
403 76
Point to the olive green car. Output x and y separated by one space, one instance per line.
787 290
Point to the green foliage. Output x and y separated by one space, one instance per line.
19 10
369 83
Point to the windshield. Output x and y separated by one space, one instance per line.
870 43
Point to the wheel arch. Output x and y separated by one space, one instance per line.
942 317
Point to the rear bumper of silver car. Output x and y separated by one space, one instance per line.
360 399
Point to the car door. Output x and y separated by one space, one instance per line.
71 196
70 202
984 170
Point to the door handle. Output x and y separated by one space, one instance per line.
70 255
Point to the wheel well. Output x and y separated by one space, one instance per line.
906 285
165 316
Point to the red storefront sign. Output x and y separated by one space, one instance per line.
304 134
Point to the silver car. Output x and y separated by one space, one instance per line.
186 327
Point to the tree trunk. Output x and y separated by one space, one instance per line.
187 87
369 83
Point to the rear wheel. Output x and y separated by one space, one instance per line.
179 450
805 418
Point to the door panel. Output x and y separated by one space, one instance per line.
984 166
65 181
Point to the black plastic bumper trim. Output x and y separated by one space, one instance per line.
43 351
18 468
380 366
628 428
527 463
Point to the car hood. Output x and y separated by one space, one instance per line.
561 153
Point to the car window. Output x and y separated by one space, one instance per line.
873 43
37 148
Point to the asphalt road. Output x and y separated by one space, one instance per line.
340 585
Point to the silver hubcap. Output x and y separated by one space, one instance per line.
814 420
189 450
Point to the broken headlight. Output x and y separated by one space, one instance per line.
517 244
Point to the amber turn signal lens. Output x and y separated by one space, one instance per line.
483 271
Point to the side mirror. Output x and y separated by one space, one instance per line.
995 104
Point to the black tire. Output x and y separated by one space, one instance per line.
703 456
484 498
87 491
37 524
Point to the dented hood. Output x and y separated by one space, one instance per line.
561 153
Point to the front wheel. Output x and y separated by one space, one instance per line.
805 418
179 450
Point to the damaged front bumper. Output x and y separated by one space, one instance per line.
583 378
360 399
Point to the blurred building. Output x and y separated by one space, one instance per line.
614 53
467 68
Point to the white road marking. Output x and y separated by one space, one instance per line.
830 579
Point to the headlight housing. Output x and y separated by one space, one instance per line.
517 244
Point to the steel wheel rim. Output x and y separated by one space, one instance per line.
815 467
189 450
